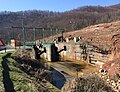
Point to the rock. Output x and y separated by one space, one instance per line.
80 74
101 70
118 83
118 87
112 64
113 84
108 80
101 66
104 73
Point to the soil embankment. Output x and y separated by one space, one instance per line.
38 68
35 68
110 71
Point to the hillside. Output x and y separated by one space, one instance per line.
69 20
105 36
99 35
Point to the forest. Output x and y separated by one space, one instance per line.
69 20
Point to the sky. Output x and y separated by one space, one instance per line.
51 5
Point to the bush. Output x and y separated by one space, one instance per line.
92 83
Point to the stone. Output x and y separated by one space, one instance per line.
118 87
104 73
112 64
118 83
113 84
108 80
100 70
101 66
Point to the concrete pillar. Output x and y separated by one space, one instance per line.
52 54
49 53
88 56
13 43
80 38
67 39
76 39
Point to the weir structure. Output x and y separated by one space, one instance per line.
61 49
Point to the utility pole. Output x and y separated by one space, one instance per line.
57 35
23 29
51 32
43 33
34 34
62 35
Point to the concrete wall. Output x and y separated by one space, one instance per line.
73 51
51 52
80 51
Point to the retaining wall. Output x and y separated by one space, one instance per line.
81 51
73 51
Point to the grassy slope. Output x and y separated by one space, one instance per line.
21 81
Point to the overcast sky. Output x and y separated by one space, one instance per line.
52 5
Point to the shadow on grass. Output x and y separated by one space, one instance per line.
8 84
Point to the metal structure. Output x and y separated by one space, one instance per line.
58 30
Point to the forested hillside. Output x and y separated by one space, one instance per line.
69 20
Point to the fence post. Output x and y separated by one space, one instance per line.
34 34
43 34
57 35
51 33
